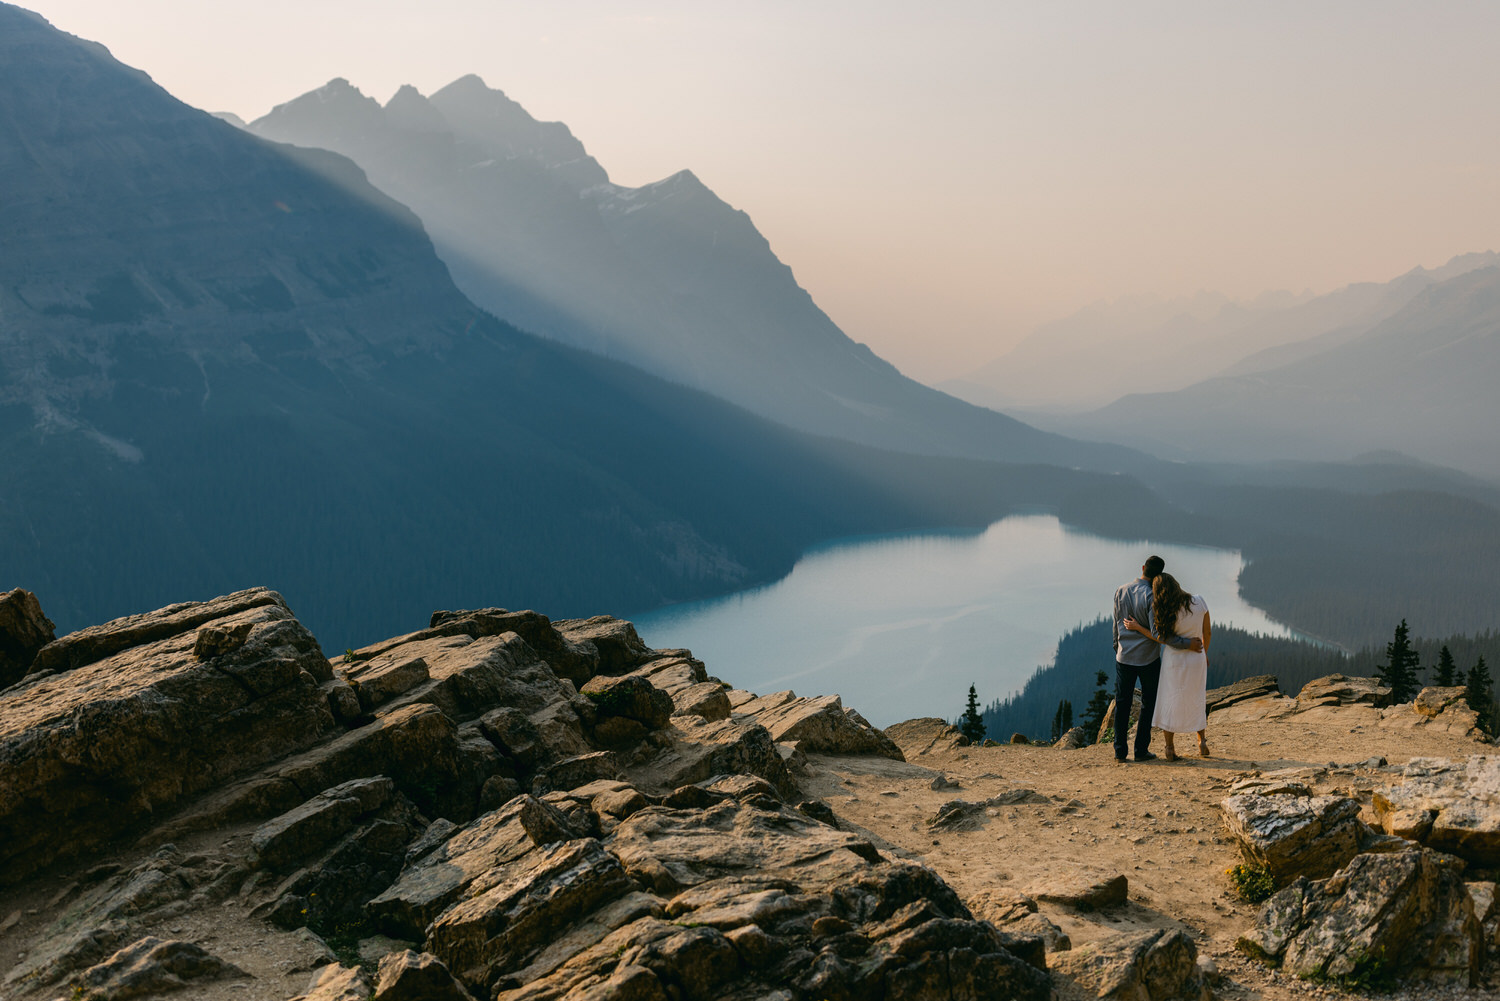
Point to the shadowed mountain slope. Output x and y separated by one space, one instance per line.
666 276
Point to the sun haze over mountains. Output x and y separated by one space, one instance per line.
946 178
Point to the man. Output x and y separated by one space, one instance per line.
1138 658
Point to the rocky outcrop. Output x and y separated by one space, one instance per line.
819 725
1338 690
1436 709
1294 834
120 723
386 791
1260 686
24 630
1140 966
1451 806
923 736
1406 914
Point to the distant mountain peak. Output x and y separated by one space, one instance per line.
410 111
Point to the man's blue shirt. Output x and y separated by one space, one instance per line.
1133 601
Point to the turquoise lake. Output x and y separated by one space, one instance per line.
900 626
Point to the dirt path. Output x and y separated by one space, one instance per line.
1157 823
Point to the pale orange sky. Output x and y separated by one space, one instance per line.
941 177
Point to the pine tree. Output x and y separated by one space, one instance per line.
1447 671
1062 720
1479 693
1400 668
971 724
1098 705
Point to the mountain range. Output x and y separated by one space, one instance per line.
1420 380
666 276
1115 349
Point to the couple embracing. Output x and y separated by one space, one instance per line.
1161 633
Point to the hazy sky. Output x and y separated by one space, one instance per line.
943 175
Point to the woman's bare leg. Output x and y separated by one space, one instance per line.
1203 743
1171 751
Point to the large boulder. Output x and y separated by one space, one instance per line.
1452 806
122 722
707 699
1260 686
24 630
925 735
1292 834
613 643
1339 690
1155 965
1380 918
818 725
629 697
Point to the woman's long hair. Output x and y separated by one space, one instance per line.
1167 600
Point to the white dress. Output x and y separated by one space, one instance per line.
1181 705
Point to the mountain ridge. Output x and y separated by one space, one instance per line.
1418 381
666 276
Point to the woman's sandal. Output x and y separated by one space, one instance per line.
1203 751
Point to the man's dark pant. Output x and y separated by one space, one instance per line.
1125 679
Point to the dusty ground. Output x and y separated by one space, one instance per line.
1157 823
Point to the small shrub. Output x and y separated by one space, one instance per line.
1253 883
1108 736
349 657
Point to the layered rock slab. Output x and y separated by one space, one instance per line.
123 721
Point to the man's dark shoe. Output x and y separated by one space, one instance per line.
1145 756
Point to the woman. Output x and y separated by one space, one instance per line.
1181 702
